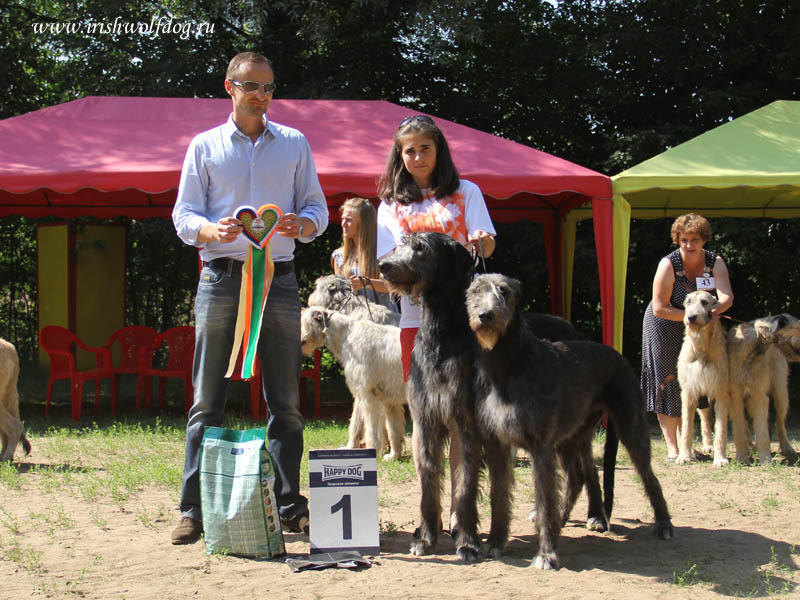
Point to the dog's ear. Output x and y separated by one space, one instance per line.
318 315
778 322
516 285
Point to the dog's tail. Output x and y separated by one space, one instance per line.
609 467
26 445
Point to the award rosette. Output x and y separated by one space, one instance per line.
257 227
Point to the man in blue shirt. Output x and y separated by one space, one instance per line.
247 161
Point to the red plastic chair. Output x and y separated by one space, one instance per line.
180 347
132 339
314 374
58 342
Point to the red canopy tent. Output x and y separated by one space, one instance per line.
122 156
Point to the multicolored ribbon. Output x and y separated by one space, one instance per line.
258 227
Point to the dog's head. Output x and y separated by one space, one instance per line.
698 306
425 261
330 291
492 303
783 330
313 323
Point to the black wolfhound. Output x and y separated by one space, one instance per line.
545 397
441 386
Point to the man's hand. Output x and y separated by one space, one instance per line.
292 226
224 231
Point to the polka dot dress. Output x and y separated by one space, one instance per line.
661 344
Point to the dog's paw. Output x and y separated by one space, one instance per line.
683 459
708 450
532 516
743 458
545 561
765 459
664 530
720 461
390 456
469 553
420 548
597 524
492 551
494 547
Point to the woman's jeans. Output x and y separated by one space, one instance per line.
216 308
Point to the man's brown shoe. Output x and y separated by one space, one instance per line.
188 532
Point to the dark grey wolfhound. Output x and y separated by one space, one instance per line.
441 381
540 395
440 395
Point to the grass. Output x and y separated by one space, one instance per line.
686 575
112 460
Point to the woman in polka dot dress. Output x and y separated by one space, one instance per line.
662 335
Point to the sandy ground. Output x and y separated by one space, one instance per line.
736 535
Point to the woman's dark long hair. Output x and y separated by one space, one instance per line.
397 185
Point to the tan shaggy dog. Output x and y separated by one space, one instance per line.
11 429
370 356
757 353
703 371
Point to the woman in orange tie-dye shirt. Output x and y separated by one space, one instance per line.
421 191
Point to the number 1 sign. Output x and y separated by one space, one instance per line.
343 496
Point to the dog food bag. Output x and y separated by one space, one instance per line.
237 480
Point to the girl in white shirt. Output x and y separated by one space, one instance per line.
421 191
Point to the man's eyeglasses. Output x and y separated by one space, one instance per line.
409 120
250 87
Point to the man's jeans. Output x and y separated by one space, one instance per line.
216 307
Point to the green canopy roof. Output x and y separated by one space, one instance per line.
747 167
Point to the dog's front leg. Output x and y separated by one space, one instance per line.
688 408
721 403
705 429
466 500
501 476
429 471
548 519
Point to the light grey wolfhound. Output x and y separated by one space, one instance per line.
333 292
370 355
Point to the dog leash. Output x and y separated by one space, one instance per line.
477 253
351 295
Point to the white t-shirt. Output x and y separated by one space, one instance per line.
458 215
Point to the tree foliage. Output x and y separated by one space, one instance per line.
603 83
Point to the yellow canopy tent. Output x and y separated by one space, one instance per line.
748 167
